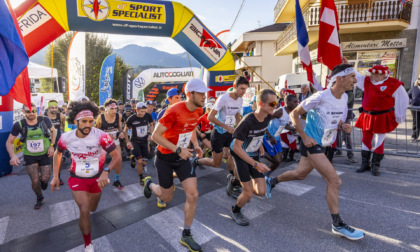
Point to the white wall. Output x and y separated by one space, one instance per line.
274 66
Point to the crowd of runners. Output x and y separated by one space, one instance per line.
196 132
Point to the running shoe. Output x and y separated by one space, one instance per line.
39 202
89 248
239 218
160 203
147 192
236 192
269 187
132 161
142 181
188 241
229 187
44 186
117 184
348 232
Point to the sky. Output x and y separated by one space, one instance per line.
217 15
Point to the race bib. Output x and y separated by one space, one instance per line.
184 139
35 146
129 132
328 137
230 121
278 132
87 168
141 131
255 144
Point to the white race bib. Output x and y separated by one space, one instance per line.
278 132
87 168
328 137
255 144
35 146
141 131
230 121
184 140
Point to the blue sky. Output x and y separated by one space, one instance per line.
217 15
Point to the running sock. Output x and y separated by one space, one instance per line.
117 177
236 209
186 227
87 240
337 221
39 197
236 183
141 176
186 232
274 181
231 172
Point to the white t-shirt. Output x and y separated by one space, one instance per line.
227 108
324 114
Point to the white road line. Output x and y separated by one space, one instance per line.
130 192
293 188
101 244
63 212
316 173
170 223
3 227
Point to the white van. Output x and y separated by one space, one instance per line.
292 81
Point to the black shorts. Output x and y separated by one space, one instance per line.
41 160
313 150
166 164
219 141
246 171
140 150
206 137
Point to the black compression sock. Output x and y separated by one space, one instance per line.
231 172
236 209
274 181
186 232
236 183
337 221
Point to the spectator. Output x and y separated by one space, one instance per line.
246 74
305 92
414 95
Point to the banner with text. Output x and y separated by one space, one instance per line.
76 65
106 79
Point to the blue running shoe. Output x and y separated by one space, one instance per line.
269 187
348 232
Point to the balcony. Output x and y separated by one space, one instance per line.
252 61
284 11
369 16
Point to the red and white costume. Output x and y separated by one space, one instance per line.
384 107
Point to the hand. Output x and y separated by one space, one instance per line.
103 180
129 145
149 138
273 141
230 129
199 152
14 161
309 141
346 127
261 167
344 60
202 135
51 151
186 153
55 184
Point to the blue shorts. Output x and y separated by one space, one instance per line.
272 149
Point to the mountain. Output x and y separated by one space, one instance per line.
135 55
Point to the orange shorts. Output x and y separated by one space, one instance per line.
88 184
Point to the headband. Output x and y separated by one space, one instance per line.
345 72
50 104
84 114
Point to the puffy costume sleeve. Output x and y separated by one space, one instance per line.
401 104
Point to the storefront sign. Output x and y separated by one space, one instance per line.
374 44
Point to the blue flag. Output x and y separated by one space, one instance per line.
107 78
13 57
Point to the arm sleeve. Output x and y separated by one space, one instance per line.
360 81
312 101
106 142
16 129
401 104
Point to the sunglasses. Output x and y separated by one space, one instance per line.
272 104
29 111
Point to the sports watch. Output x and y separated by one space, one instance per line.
107 169
178 150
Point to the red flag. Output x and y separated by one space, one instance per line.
329 50
21 91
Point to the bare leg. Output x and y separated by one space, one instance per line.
82 200
215 161
190 187
119 165
246 195
304 168
164 194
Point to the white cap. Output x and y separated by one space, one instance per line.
141 105
196 85
81 98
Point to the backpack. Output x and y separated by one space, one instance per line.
24 125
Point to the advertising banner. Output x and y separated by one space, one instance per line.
106 79
128 85
76 65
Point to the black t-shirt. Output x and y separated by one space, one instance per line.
16 129
140 127
251 132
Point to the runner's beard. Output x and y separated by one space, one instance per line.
82 130
53 112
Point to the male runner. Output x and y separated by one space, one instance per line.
173 134
35 134
172 96
226 113
58 120
110 122
246 149
141 125
326 112
88 146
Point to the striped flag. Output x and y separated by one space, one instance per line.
303 41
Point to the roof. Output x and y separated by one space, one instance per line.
272 28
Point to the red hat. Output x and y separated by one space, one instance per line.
379 70
288 92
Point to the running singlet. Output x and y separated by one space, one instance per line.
324 114
251 132
276 125
180 123
139 126
227 108
204 122
110 128
87 154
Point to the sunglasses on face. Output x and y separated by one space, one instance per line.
29 111
272 104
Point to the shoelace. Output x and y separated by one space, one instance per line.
345 226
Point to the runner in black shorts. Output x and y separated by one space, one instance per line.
246 149
141 125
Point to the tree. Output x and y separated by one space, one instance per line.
97 49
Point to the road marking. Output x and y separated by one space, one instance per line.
130 192
101 244
63 212
316 173
3 227
170 223
294 188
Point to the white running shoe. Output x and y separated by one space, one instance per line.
89 248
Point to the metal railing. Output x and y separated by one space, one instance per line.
278 7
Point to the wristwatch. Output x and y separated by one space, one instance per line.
178 150
107 169
255 165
